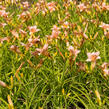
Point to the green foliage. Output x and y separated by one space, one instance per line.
35 77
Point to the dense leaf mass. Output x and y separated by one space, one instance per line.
54 54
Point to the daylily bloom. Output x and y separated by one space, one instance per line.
2 7
73 51
33 41
105 7
55 28
65 25
106 33
43 51
27 46
14 33
106 72
51 6
55 32
22 32
96 6
105 65
33 29
82 7
3 25
15 49
3 13
4 39
24 15
92 57
104 26
81 66
25 4
105 69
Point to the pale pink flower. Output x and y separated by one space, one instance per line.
15 49
27 46
4 39
65 33
14 33
55 32
105 7
33 29
25 4
51 6
104 26
65 25
22 32
105 68
92 57
42 50
33 41
55 28
73 50
96 6
106 33
81 66
24 15
3 25
106 72
2 7
67 44
3 13
82 7
105 65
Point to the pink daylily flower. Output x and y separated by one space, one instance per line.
105 7
105 65
14 33
51 6
55 32
104 26
92 57
33 41
22 32
3 25
105 69
106 72
33 29
73 51
82 7
25 4
15 48
24 15
4 39
3 13
65 25
42 50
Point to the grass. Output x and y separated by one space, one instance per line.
41 70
